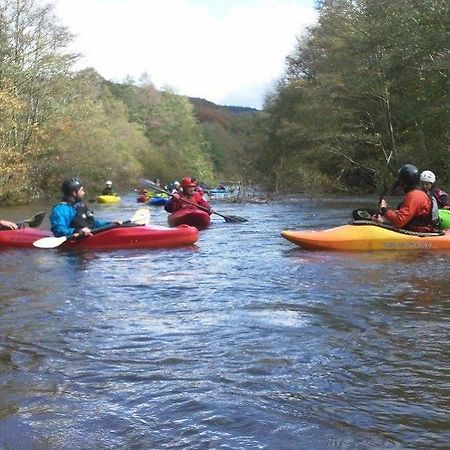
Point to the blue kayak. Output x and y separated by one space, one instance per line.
157 201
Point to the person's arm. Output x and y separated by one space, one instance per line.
9 225
173 204
202 202
60 219
402 216
102 223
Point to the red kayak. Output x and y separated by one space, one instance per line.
189 216
116 238
22 238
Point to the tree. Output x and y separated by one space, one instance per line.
34 73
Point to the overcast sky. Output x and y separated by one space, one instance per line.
226 51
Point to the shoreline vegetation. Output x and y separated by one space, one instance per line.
365 90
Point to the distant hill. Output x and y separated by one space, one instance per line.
207 111
231 133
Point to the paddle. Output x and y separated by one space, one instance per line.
140 217
230 219
385 189
363 214
34 221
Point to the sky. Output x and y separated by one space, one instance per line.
229 52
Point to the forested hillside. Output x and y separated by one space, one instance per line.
56 122
366 90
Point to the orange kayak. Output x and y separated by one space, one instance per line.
367 236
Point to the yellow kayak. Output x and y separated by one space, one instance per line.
368 236
108 198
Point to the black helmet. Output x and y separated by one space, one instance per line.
408 175
70 185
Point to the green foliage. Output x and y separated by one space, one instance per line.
365 90
57 123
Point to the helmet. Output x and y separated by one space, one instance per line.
176 183
109 183
188 182
408 175
70 185
428 176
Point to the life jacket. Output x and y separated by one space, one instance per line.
434 212
421 223
84 217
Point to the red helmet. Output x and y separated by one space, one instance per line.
188 182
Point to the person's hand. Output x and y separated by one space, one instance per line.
9 225
85 232
377 218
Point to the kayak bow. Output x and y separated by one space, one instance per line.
367 236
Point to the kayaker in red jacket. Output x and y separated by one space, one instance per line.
189 194
414 212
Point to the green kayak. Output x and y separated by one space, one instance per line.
444 215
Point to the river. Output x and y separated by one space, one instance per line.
243 341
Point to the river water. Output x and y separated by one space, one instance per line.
243 341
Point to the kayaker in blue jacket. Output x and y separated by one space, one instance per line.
72 215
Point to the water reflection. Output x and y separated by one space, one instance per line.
243 341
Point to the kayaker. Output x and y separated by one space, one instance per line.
415 211
188 193
72 215
175 187
6 224
108 190
428 183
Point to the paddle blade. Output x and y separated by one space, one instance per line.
34 221
141 216
37 219
49 242
235 219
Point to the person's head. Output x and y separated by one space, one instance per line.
407 178
188 184
427 179
109 183
73 188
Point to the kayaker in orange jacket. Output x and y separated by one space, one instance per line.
414 212
190 194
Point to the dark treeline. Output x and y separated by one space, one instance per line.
365 90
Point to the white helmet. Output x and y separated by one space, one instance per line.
428 176
109 183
